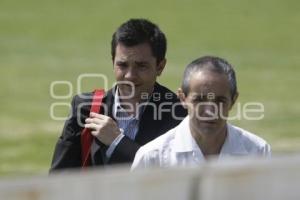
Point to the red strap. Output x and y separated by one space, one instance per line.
86 137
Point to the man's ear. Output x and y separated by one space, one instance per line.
181 97
160 67
234 99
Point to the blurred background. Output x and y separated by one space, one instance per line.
50 40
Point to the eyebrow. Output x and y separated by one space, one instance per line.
141 62
120 61
205 97
136 62
221 98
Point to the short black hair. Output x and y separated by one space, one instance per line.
138 31
211 63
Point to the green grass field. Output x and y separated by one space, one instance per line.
45 41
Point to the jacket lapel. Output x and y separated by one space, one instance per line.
148 125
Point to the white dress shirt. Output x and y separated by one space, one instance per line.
177 148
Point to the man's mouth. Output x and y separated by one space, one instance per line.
209 121
130 85
136 85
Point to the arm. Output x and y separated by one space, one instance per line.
67 153
146 157
139 161
266 151
124 151
121 148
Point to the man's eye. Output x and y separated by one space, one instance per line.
122 65
222 101
198 100
143 67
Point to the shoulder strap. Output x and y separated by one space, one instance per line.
86 137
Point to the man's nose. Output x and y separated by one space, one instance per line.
131 73
209 109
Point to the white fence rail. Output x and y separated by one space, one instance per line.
253 179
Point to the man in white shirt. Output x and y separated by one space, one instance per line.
208 91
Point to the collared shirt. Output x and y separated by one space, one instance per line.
178 148
128 124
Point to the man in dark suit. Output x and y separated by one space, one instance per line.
134 112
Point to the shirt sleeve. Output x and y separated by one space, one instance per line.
147 158
267 151
114 144
139 161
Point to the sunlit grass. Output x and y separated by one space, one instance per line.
26 154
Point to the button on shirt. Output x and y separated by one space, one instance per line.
128 124
177 148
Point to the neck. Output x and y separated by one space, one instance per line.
131 104
210 144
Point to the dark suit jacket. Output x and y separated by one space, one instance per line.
153 123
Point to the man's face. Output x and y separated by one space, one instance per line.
136 64
208 102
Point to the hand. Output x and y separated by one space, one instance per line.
103 128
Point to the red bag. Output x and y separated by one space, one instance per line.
86 136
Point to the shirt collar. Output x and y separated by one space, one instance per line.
233 144
117 106
184 141
117 103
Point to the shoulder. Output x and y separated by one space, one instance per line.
166 99
81 103
152 153
87 97
159 143
249 140
163 93
84 100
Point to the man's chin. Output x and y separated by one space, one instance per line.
132 95
127 91
138 92
208 122
208 126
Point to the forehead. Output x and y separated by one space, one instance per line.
205 81
139 52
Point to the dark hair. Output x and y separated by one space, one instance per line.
214 64
138 31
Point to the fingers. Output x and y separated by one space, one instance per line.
104 128
92 126
94 133
94 129
96 115
92 120
95 118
